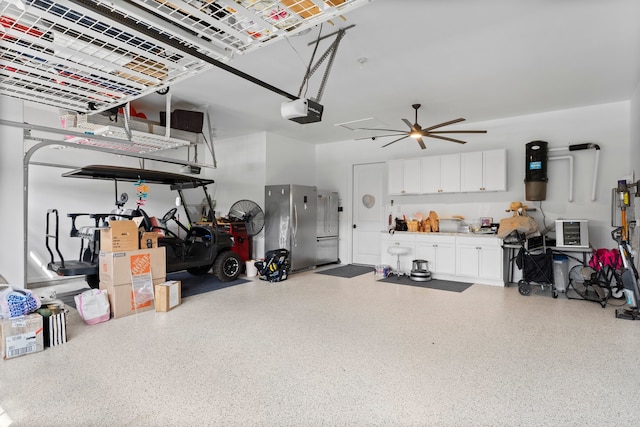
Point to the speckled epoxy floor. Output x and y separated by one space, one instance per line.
320 350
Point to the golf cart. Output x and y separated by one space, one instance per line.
203 247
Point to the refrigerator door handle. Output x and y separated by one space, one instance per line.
294 228
327 227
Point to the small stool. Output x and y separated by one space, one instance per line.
420 271
397 251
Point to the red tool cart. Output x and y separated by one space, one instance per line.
242 241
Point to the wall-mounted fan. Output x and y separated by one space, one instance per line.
417 132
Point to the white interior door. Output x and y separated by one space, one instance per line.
368 212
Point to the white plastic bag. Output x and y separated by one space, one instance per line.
4 304
93 306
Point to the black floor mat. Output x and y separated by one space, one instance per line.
190 285
348 271
443 285
194 285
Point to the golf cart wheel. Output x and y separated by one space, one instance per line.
199 271
227 266
524 288
93 280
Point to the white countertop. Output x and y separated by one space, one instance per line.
438 233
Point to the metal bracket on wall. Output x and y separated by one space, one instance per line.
578 147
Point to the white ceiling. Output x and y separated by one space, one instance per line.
480 60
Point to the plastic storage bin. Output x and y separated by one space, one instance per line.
560 272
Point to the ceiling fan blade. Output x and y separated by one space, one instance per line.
383 130
446 139
458 131
450 122
406 136
421 143
379 136
408 123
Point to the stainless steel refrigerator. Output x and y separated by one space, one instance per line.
327 228
290 221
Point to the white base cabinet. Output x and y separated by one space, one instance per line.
451 256
479 258
439 251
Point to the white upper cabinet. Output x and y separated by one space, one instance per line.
441 174
484 171
450 173
431 171
395 176
404 176
494 164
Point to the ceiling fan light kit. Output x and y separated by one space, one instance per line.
417 132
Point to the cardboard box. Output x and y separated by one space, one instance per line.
168 295
149 239
120 236
20 336
122 302
307 8
117 268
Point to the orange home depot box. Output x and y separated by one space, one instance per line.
122 301
117 268
167 295
120 236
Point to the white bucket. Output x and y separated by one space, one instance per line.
251 269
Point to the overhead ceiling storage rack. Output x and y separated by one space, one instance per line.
90 56
139 136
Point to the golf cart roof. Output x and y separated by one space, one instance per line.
119 173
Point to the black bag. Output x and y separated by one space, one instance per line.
401 225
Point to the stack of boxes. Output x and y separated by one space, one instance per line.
134 279
128 273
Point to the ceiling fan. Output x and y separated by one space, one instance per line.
417 132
